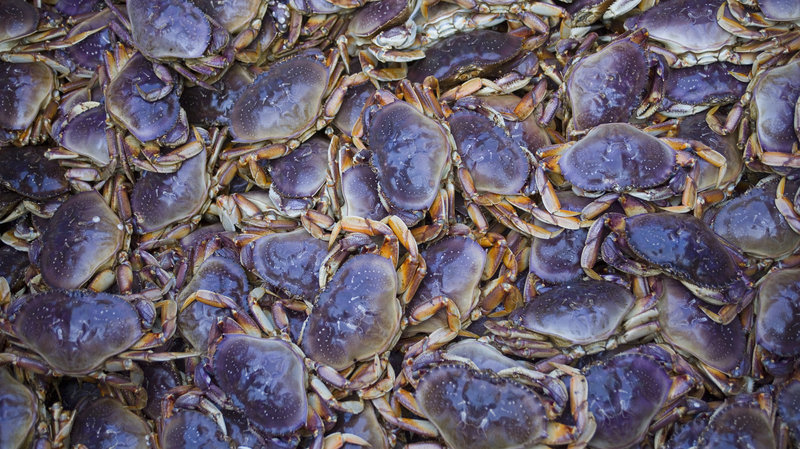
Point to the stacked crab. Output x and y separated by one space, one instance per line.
399 223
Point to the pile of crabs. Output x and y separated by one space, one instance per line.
399 223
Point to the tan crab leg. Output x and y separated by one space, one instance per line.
785 206
418 426
338 440
429 308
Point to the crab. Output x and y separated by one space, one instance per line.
630 390
788 393
754 224
654 243
773 144
23 26
484 148
81 131
610 85
776 348
147 110
449 296
106 422
694 89
358 316
717 350
192 185
569 321
464 60
218 288
20 403
453 398
410 153
280 109
160 31
788 208
690 34
26 89
745 420
58 324
601 162
267 381
81 243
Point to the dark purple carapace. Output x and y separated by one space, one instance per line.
684 325
607 86
625 393
161 199
18 409
128 102
475 409
682 246
356 316
263 378
75 331
24 91
740 423
409 153
752 223
83 236
191 428
578 312
289 262
617 157
213 107
464 56
455 267
28 172
282 102
778 314
496 163
106 422
220 275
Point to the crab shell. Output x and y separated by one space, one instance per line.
264 378
357 315
75 331
410 154
476 409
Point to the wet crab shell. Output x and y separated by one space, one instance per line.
617 157
20 19
476 409
18 405
495 161
146 120
283 102
625 393
162 29
684 325
774 103
777 324
289 262
24 90
357 316
28 172
684 26
682 246
465 56
455 266
190 428
106 422
265 378
578 312
607 86
161 199
83 236
75 331
409 154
